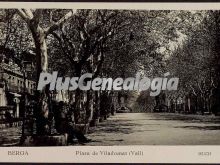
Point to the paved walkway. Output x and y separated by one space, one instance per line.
144 129
10 136
157 129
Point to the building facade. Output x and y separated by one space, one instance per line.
13 84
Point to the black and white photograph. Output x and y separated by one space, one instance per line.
109 77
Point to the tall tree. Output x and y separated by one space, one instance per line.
39 33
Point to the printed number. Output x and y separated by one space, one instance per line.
204 153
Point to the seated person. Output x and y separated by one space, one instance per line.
64 125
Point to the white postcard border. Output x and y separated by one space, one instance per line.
151 154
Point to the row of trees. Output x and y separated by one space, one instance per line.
106 43
194 58
196 62
117 43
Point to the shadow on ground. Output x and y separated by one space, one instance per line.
186 118
122 127
201 127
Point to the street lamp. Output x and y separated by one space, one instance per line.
26 67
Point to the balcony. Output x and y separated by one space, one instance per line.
18 89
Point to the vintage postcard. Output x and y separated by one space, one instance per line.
109 82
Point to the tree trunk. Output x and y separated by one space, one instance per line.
42 97
39 35
104 105
89 106
97 106
189 104
77 106
78 93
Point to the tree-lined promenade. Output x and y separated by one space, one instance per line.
143 129
115 43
